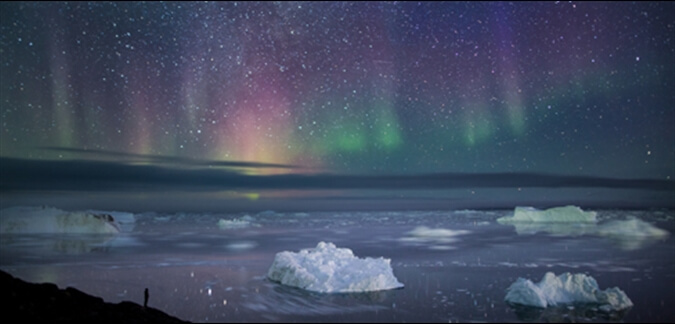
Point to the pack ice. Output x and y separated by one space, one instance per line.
566 289
329 269
35 220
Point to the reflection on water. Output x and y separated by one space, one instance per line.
283 300
557 229
566 314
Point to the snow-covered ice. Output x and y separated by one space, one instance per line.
566 214
329 269
36 220
567 288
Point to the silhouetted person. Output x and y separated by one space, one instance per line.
147 295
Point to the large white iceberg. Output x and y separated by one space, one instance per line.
329 269
48 220
566 289
566 214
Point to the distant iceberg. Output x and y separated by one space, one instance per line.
566 214
628 234
633 227
566 289
242 222
329 269
436 233
632 233
440 237
48 220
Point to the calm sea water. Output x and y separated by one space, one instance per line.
200 271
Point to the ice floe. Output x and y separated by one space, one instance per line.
566 289
329 269
561 221
46 220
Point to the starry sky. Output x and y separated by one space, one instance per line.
240 97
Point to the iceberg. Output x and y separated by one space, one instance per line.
566 289
436 233
566 214
233 224
438 236
48 220
632 233
328 269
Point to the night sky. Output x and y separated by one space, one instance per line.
252 99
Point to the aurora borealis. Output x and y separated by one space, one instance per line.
346 88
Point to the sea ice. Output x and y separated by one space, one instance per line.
566 289
566 214
329 269
51 220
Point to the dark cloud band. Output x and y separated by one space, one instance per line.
86 175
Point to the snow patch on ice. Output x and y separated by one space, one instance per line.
34 220
566 289
329 269
566 214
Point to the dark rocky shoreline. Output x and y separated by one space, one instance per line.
47 303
